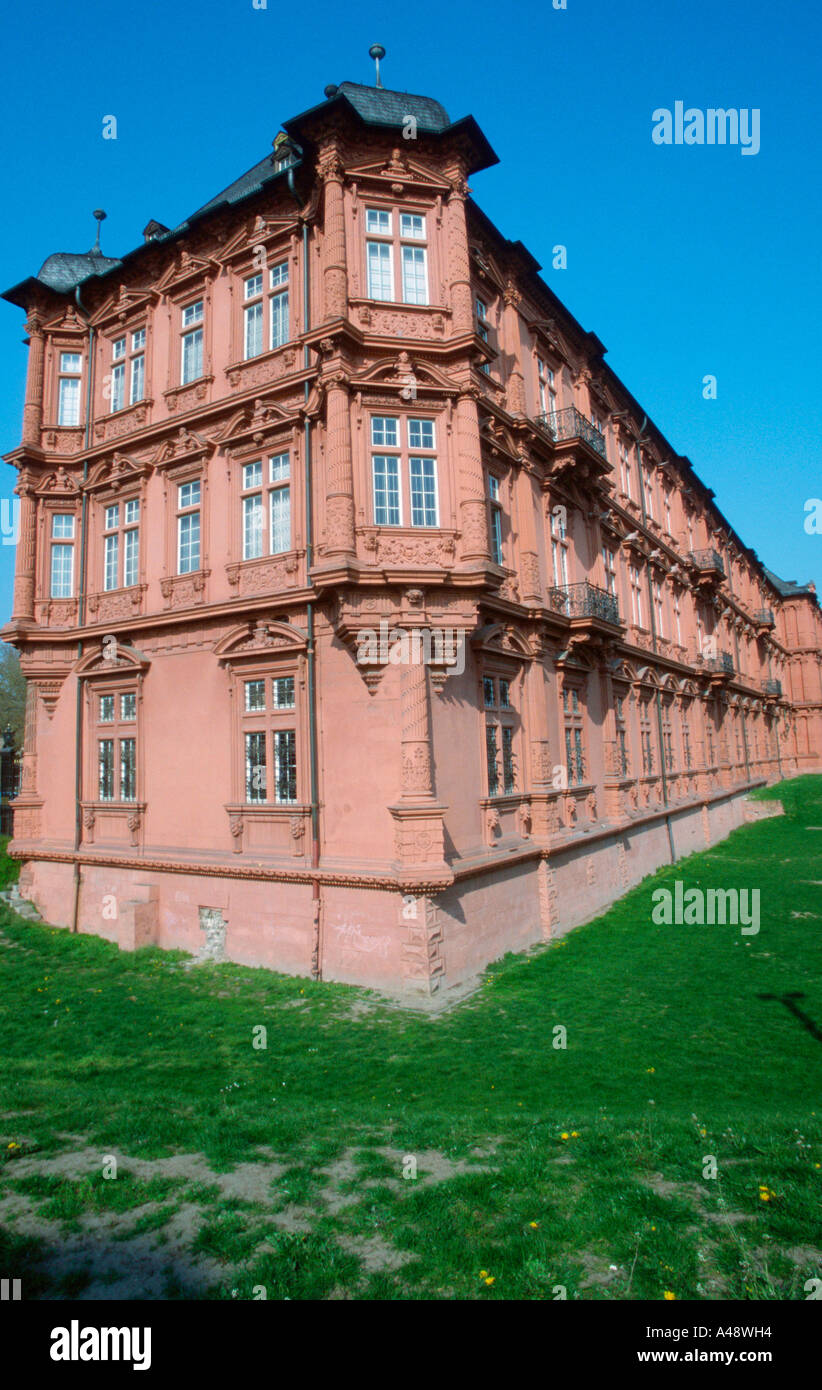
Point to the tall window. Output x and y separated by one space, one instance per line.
116 715
710 759
609 568
625 469
270 740
68 401
62 555
483 328
646 741
500 723
666 508
278 304
121 544
635 580
253 315
188 527
192 342
128 369
667 736
404 470
659 608
266 507
559 546
677 605
647 478
572 716
495 518
547 391
621 736
685 714
396 242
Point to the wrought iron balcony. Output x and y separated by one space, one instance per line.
585 601
572 424
709 561
722 663
772 687
765 617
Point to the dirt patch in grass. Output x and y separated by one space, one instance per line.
377 1256
249 1182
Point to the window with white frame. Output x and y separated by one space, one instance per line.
257 304
68 390
645 736
677 606
495 518
483 328
573 723
188 526
191 350
62 555
500 726
547 391
128 369
625 470
404 470
396 246
114 715
609 565
121 544
659 608
269 740
559 545
266 506
635 582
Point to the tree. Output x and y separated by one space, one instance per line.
12 693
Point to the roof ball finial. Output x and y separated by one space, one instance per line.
376 51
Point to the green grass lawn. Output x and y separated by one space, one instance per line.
537 1167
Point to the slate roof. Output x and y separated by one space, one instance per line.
789 588
379 106
64 270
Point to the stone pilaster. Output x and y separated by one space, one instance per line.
339 511
24 571
335 267
418 816
459 266
473 507
33 407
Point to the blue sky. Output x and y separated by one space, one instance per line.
686 261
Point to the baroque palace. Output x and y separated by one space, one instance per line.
337 398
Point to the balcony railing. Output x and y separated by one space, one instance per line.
765 617
584 601
572 424
709 560
723 662
772 687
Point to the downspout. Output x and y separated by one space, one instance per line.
660 730
81 620
311 649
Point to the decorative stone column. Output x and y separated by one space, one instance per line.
339 510
527 505
33 407
335 268
471 483
459 266
417 771
24 572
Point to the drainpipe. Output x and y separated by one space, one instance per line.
81 619
311 649
660 730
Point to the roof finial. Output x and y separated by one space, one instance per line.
376 51
100 216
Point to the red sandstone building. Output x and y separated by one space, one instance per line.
335 398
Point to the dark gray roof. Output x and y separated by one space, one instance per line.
65 270
379 106
789 588
243 187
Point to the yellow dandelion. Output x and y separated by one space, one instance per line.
564 1136
490 1279
668 1295
574 1133
534 1225
650 1068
